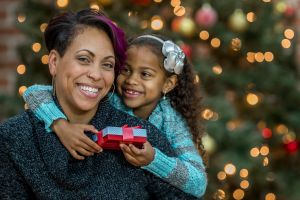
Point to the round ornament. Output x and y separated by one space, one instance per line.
206 16
238 21
187 27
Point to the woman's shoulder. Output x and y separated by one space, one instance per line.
17 127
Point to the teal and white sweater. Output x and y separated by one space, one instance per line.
186 171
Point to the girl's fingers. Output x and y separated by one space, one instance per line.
131 159
84 152
125 149
76 155
135 150
90 145
90 128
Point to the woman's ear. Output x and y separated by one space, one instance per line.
53 61
170 84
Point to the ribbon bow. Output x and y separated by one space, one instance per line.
174 57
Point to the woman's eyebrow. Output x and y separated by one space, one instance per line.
91 53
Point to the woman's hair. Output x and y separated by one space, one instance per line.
185 97
63 28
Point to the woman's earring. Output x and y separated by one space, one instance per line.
53 86
111 93
164 97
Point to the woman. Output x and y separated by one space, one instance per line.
86 49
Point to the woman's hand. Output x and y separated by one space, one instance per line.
73 138
138 157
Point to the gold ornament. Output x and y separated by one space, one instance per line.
236 44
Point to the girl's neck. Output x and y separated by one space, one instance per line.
144 111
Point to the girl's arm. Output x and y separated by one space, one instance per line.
39 99
186 171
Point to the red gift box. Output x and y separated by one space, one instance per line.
111 137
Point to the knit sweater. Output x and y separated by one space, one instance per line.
185 171
35 165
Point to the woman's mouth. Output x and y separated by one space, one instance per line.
89 91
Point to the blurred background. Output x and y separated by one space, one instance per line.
247 54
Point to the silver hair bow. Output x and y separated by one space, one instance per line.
174 57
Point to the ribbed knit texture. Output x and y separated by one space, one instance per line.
185 171
35 165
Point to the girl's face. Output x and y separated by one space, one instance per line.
85 74
142 82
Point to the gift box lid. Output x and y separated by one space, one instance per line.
111 130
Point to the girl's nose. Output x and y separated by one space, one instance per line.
131 79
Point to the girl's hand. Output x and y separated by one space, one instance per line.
138 157
73 138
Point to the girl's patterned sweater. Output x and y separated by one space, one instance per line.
186 171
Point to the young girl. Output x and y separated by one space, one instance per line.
157 84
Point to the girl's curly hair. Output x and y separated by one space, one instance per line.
185 97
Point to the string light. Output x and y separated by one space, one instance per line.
238 194
44 59
221 175
270 196
259 57
36 47
230 169
250 57
252 99
265 161
289 33
264 150
207 114
204 35
62 3
254 152
251 17
144 24
94 6
175 3
21 69
156 23
269 56
244 173
22 89
281 129
21 18
244 184
215 42
285 43
217 69
43 27
220 194
179 11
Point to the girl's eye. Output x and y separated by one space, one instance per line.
146 74
125 71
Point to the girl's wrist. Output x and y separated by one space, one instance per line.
58 124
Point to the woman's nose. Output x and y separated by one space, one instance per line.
95 74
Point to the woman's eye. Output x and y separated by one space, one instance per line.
109 65
84 60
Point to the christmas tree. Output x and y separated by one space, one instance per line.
244 54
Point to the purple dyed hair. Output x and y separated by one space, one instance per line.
62 29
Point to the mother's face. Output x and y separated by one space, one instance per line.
85 74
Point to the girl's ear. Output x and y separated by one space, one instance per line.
170 83
53 62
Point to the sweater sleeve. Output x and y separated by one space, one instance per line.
186 171
39 99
